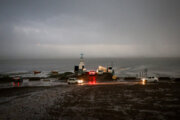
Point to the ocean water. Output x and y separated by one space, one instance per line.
122 66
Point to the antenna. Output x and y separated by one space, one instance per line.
81 55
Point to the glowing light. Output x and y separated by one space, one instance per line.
92 73
143 81
16 84
80 81
92 80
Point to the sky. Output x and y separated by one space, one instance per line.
97 28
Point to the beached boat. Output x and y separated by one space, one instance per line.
37 72
54 72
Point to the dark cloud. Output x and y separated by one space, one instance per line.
100 28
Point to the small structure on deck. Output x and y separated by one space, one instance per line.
144 73
102 70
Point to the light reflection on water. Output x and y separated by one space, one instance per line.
92 80
16 84
43 82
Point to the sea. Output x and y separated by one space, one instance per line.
166 67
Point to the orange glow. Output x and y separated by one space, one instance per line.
143 82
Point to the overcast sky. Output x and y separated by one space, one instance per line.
98 28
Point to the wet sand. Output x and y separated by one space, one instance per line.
119 102
102 101
28 103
